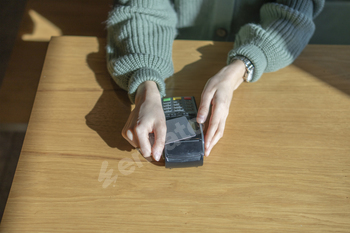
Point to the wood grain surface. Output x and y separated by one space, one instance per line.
282 165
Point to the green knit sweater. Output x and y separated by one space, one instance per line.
271 34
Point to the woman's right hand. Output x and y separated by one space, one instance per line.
147 117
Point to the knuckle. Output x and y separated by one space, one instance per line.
221 131
203 109
212 124
207 91
204 92
210 82
222 98
226 115
221 107
161 141
163 131
161 127
219 104
161 138
161 123
139 129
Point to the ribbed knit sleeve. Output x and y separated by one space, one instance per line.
286 27
139 43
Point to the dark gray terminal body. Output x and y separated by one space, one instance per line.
185 141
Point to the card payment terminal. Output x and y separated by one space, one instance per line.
184 145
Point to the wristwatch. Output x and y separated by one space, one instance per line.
249 67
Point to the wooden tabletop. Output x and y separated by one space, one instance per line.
283 164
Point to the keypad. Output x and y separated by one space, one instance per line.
179 106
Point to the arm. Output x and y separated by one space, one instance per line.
139 43
286 28
139 46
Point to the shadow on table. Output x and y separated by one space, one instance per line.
191 79
112 109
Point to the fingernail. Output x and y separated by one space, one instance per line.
200 119
129 135
207 153
157 155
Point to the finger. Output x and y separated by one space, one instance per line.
216 116
204 105
143 139
129 136
218 135
159 134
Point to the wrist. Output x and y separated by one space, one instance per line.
249 67
147 90
237 67
235 71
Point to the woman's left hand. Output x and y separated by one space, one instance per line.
218 91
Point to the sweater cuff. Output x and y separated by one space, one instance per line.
254 54
143 75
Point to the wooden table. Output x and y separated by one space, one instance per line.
283 164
